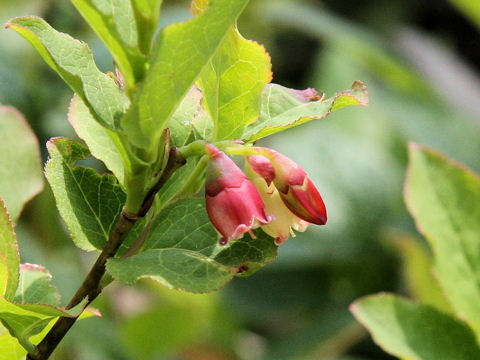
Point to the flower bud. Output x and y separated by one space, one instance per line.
295 187
284 220
234 205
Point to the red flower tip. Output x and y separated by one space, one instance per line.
294 186
263 167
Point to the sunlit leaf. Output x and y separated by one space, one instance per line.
9 257
20 165
73 61
116 24
233 82
100 141
180 54
283 108
89 203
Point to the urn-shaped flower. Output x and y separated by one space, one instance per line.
295 188
234 205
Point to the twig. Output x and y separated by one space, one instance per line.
90 287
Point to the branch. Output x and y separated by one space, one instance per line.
90 287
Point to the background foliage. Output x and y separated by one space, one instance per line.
417 60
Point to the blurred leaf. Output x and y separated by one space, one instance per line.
89 203
470 8
9 257
73 61
34 286
283 108
415 331
115 23
444 197
417 270
233 82
182 252
100 141
21 175
180 53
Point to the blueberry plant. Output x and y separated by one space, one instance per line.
166 125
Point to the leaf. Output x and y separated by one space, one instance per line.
233 82
415 331
73 61
34 286
9 257
89 203
283 108
417 272
175 268
115 23
181 52
147 13
10 349
444 197
190 121
20 170
100 141
182 252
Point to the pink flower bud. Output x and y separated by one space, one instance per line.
294 186
234 205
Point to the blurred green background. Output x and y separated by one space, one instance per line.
421 62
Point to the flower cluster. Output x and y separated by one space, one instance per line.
275 194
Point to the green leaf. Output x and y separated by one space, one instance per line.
421 283
180 54
100 141
182 252
25 320
34 286
175 268
444 197
21 175
414 331
233 82
9 257
10 349
147 13
115 23
73 61
283 108
89 203
190 121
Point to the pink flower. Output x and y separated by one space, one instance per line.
234 205
295 188
284 220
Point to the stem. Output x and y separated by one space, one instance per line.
90 287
